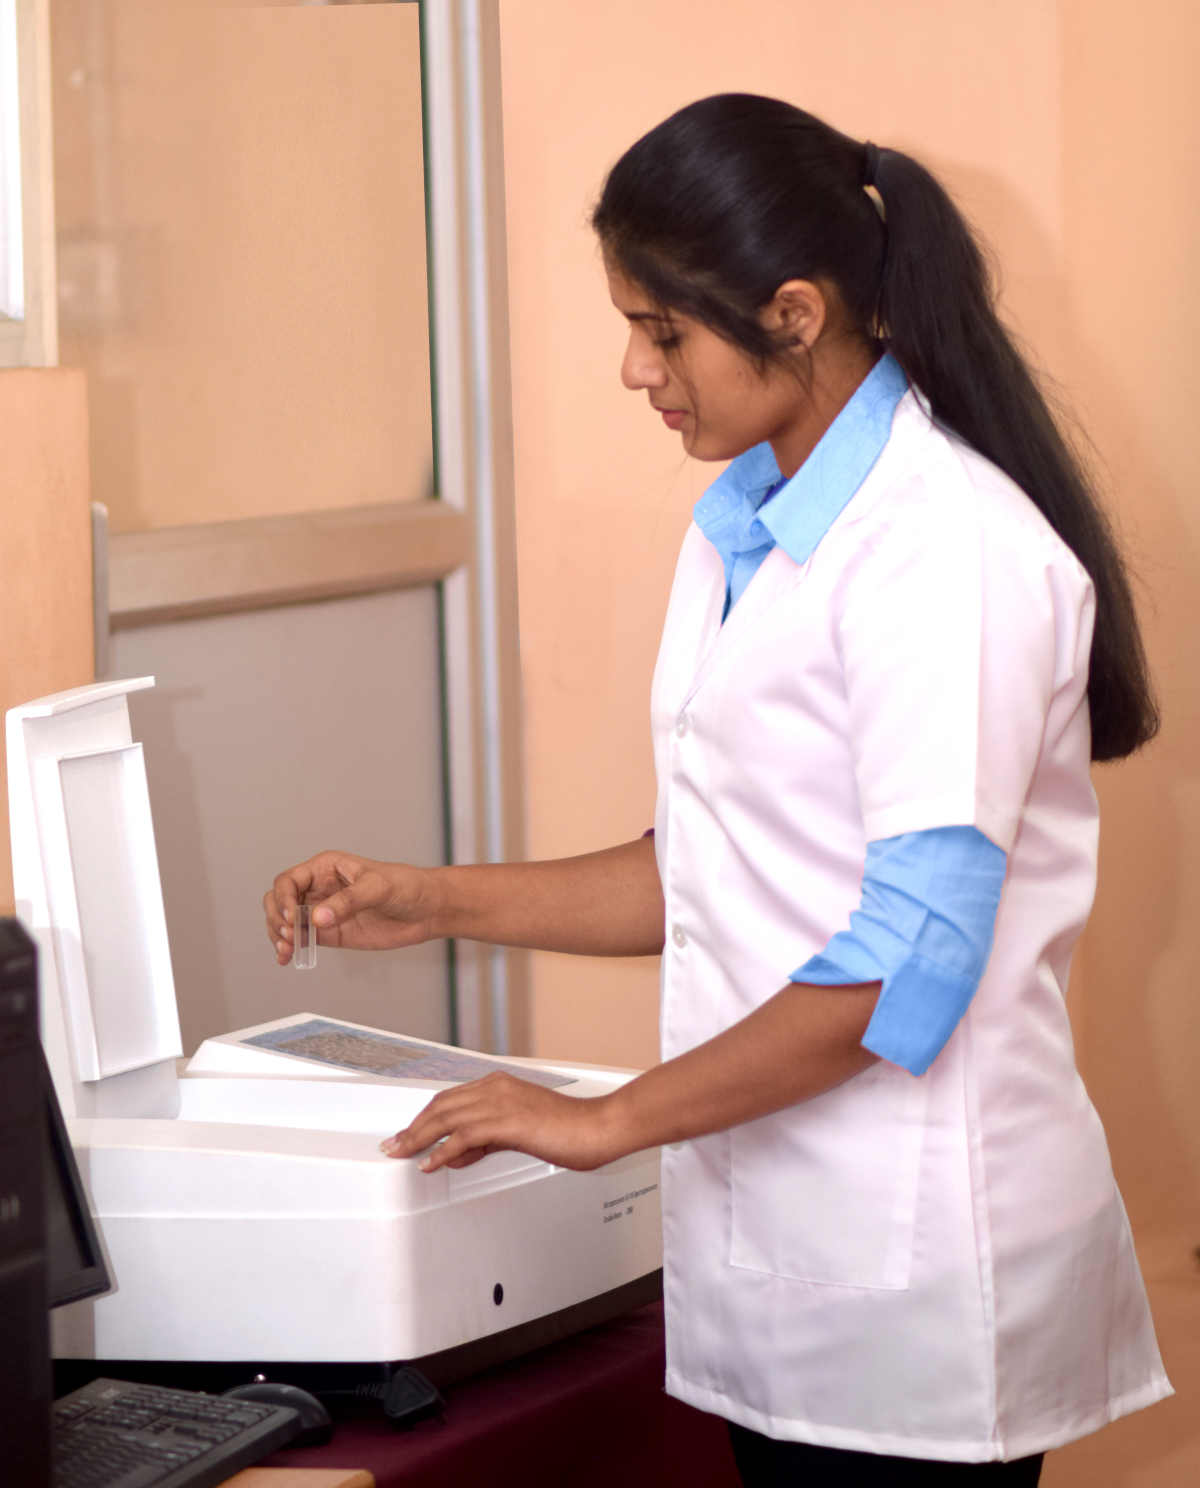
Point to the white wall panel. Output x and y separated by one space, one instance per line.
269 736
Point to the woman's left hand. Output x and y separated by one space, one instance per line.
501 1113
799 1043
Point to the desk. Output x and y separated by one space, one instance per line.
588 1412
300 1477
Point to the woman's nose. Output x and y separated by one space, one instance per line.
642 365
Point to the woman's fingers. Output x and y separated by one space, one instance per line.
472 1155
366 890
280 900
357 903
504 1114
456 1121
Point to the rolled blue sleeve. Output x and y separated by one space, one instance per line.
924 929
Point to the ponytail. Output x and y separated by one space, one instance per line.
936 311
732 196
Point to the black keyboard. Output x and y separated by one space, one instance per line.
112 1434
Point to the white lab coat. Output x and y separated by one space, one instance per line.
937 1267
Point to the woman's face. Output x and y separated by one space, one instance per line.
706 389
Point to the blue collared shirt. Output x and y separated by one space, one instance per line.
925 923
750 508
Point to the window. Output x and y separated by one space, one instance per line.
12 258
28 310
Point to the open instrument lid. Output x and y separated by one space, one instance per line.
86 882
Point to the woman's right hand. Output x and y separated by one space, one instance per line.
357 903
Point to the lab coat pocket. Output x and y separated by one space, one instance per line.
826 1191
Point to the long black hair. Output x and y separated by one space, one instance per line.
732 196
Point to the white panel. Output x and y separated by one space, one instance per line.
272 735
127 965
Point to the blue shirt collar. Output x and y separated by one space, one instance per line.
732 514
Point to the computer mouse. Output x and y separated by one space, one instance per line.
315 1425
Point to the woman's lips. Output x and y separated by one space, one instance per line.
673 417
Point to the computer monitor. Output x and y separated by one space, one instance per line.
49 1249
75 1266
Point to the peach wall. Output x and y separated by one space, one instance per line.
603 491
1131 236
46 562
1069 136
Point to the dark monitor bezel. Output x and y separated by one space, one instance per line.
86 1272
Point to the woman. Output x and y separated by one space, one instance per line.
899 634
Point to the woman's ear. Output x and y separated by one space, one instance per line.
796 314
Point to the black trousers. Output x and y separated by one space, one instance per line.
765 1463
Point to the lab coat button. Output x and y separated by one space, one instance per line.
682 724
678 936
